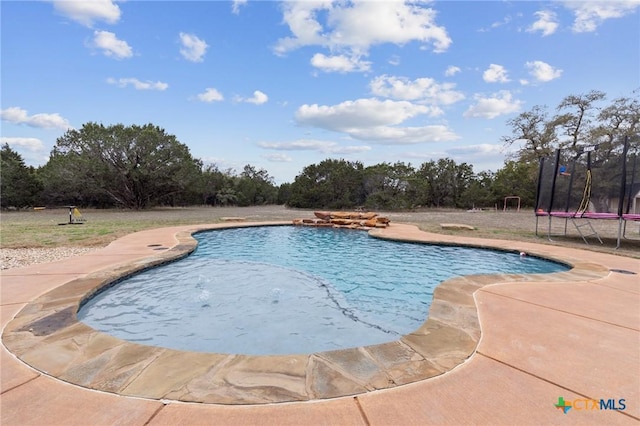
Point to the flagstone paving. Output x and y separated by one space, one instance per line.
498 349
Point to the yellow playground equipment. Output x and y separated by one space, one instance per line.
75 217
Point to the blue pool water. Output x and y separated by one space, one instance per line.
287 290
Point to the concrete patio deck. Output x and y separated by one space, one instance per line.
577 338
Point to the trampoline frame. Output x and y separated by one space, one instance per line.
625 191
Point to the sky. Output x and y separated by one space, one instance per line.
283 85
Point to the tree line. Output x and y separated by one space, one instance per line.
340 184
139 167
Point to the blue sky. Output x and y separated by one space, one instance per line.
282 85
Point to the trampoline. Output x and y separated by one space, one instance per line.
594 182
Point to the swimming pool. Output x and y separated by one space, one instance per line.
286 290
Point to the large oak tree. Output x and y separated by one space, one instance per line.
134 166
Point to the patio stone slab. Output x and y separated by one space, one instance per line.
581 353
90 262
24 288
46 401
8 311
589 299
401 363
337 412
623 280
481 392
13 372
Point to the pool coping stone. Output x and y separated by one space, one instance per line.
47 336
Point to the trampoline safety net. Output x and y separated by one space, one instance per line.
593 181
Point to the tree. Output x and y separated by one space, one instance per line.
255 187
135 167
577 123
479 193
210 183
516 179
620 119
443 182
19 186
227 196
334 184
386 185
284 194
538 133
217 187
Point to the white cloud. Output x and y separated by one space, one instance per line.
423 90
481 156
494 106
339 63
87 11
476 150
193 49
452 70
223 164
236 4
278 158
110 45
300 17
351 149
29 144
210 95
547 23
590 14
357 114
354 27
399 22
325 147
495 74
137 84
258 98
374 120
32 150
405 135
17 115
542 71
299 145
496 24
14 115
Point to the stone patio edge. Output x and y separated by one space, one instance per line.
46 335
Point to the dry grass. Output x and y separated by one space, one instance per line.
27 229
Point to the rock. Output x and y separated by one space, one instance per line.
367 216
457 227
323 215
355 220
371 223
342 215
342 221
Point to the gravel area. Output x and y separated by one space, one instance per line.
20 257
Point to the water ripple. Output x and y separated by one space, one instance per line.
285 290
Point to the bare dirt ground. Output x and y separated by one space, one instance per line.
35 236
